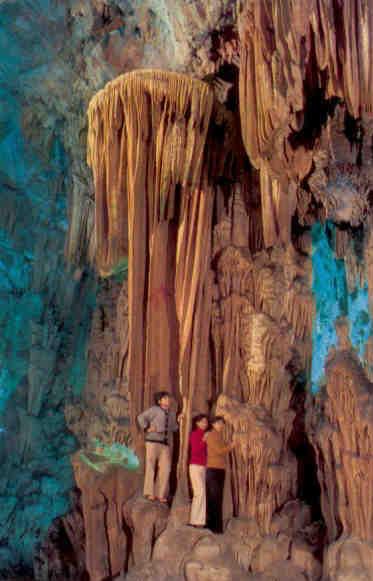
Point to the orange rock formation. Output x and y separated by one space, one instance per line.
263 327
147 141
341 431
290 53
220 308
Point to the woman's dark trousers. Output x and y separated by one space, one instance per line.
214 491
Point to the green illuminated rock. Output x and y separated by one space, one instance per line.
101 457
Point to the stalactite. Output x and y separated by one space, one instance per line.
177 111
293 53
147 134
80 242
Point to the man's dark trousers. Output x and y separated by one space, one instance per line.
214 491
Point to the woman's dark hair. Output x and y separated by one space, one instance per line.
158 396
217 419
197 419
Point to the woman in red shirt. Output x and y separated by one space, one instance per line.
197 470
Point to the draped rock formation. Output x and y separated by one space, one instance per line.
146 148
306 107
195 246
261 327
342 436
297 58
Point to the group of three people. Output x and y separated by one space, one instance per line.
207 461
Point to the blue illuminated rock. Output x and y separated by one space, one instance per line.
334 299
44 311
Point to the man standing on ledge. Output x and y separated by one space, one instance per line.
159 423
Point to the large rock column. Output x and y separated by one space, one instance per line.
146 147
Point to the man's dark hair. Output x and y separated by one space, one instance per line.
216 419
158 396
197 419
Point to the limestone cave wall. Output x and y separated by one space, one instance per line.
220 229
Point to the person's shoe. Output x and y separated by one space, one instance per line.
196 526
149 497
163 500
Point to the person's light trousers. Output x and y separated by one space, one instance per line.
161 455
198 481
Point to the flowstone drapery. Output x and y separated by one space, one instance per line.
146 148
298 59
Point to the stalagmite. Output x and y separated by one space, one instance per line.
262 308
341 428
103 498
261 456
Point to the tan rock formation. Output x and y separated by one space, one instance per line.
340 429
214 318
292 52
190 555
261 325
170 295
264 471
146 522
103 499
183 553
146 144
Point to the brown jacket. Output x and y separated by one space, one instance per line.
217 450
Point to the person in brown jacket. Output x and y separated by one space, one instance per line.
217 453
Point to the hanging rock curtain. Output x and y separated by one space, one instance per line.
146 147
283 43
